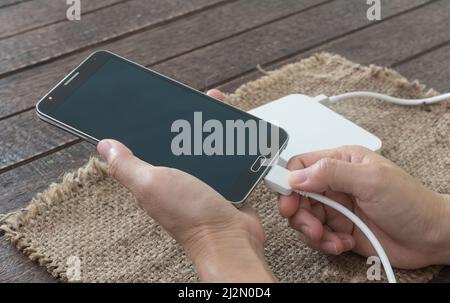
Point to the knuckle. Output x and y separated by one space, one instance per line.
355 153
295 163
293 223
162 173
149 178
358 149
305 239
159 178
114 167
326 166
297 221
143 190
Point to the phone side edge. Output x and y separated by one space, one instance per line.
241 203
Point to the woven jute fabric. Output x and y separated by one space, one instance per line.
94 219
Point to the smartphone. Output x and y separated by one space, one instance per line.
164 122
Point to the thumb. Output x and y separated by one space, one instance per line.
126 168
330 174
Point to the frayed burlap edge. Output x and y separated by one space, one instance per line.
86 176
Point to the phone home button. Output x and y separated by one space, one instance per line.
256 166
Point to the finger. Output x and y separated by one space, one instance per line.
249 210
307 224
330 174
348 241
352 154
318 210
288 205
215 93
333 243
296 163
305 203
308 159
335 219
343 241
124 166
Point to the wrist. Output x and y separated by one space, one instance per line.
230 255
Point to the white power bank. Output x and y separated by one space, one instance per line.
312 126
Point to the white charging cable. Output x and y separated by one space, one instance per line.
398 101
277 180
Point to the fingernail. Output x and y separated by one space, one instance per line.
306 231
329 247
104 148
298 176
348 244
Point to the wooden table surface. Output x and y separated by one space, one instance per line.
204 43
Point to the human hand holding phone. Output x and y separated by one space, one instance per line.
219 238
195 199
164 122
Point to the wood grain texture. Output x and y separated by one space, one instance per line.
7 3
113 22
22 90
31 123
38 13
21 183
229 58
18 186
385 50
33 131
400 39
24 136
16 267
298 33
432 68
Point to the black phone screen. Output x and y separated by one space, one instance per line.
117 99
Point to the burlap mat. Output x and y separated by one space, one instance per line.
91 217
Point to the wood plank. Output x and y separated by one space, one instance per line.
18 186
21 91
387 45
276 41
53 41
260 45
23 133
6 3
399 40
432 69
38 13
16 267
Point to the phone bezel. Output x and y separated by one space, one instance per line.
88 67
